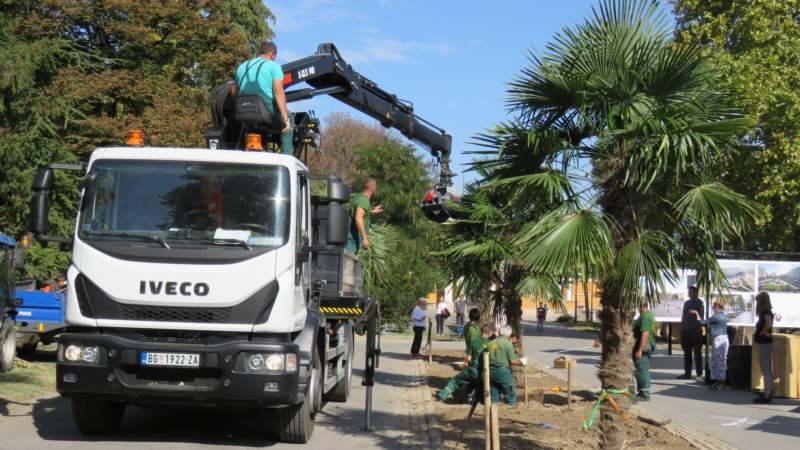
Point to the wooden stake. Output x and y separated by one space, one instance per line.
495 428
540 395
569 386
525 383
487 401
430 343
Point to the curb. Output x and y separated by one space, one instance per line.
422 394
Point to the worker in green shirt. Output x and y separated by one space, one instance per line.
644 328
473 328
361 212
501 357
470 375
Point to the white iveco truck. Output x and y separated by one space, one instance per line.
218 277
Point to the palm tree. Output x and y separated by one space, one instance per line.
618 94
479 255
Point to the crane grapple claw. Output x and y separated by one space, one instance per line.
434 207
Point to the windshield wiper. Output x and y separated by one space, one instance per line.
144 237
228 241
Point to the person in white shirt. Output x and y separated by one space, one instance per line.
441 314
418 317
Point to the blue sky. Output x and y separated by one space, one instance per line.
452 59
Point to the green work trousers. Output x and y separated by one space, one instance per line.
466 377
642 375
501 378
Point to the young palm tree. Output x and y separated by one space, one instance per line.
618 94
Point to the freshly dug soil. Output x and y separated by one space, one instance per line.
536 426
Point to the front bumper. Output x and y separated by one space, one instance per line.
218 381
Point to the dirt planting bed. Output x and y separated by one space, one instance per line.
536 426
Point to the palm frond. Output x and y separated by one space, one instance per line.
717 209
641 267
567 242
379 259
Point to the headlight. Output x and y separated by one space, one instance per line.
79 353
266 363
255 361
73 353
89 354
274 362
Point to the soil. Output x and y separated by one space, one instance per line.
535 426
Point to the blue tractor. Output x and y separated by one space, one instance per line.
11 258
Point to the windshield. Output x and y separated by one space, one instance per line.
173 203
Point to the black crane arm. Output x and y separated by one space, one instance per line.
328 74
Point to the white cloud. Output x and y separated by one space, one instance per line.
303 14
390 50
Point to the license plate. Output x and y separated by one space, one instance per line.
170 359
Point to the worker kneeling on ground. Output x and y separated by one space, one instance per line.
501 357
262 76
470 375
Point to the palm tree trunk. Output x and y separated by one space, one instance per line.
616 368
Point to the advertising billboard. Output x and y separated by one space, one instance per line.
781 279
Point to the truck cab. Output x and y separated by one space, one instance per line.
195 280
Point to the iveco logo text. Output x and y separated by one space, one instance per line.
173 288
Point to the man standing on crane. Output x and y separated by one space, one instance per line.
262 76
361 212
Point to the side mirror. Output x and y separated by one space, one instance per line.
40 209
338 191
329 188
19 258
43 181
337 224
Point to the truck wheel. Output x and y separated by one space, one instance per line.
94 417
8 346
341 391
296 422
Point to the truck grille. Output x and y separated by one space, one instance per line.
173 336
174 314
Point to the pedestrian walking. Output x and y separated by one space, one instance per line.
441 315
541 316
644 329
763 342
418 317
692 335
718 330
460 306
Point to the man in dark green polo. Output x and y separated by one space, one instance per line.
644 329
470 375
473 328
361 212
501 357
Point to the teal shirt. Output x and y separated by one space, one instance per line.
255 76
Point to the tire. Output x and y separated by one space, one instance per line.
341 392
8 346
28 349
296 422
95 417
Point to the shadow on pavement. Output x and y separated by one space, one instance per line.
789 426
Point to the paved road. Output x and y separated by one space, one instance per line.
47 423
730 415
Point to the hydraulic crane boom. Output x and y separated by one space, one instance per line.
327 73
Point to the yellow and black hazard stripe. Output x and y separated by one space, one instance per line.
341 310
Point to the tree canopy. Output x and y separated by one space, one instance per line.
754 46
77 75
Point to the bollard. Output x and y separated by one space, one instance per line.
487 401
